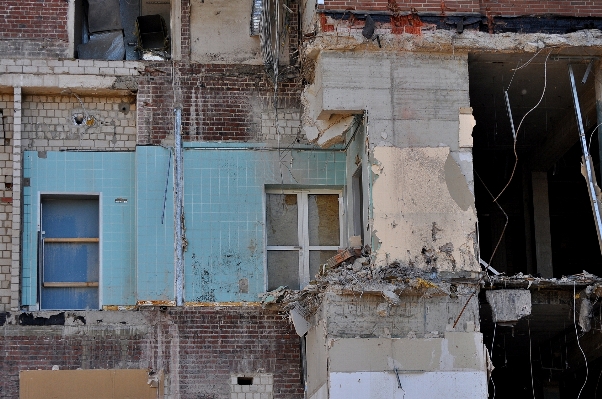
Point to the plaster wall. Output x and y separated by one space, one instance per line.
317 361
220 32
423 210
384 385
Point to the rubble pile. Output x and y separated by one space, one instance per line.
358 275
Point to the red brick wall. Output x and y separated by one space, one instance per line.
219 101
579 8
45 19
34 29
199 347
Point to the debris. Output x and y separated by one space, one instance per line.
340 258
103 46
297 317
391 297
369 27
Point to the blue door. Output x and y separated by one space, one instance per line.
69 253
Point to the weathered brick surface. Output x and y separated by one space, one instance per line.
582 8
6 197
39 25
48 123
219 101
198 348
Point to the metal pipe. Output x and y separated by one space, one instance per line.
590 177
178 199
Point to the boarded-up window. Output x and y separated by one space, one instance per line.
90 384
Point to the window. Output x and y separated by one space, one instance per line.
69 252
303 230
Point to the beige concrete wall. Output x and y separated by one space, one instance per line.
457 351
423 210
48 123
317 358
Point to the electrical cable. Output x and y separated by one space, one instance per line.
579 343
491 356
505 214
545 84
591 136
531 359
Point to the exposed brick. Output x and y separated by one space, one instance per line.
219 101
213 344
497 7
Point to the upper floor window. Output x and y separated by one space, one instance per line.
303 230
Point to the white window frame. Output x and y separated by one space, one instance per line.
302 230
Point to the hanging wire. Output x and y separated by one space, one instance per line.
166 184
491 356
579 343
545 84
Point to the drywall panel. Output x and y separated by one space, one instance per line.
385 385
89 384
423 210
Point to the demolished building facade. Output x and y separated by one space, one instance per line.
285 199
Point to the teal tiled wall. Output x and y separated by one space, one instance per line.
111 175
224 215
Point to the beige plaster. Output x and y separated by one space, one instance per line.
424 212
467 123
455 352
220 32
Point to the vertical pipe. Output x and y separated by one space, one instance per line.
587 160
178 196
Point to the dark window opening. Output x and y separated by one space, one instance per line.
550 228
245 380
122 29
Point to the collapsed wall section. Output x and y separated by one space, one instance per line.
421 188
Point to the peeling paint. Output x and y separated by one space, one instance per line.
424 193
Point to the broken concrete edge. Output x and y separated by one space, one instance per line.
443 41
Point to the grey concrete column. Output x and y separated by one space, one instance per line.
16 220
176 30
528 217
541 217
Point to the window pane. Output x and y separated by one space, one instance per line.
316 260
281 215
323 213
283 269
